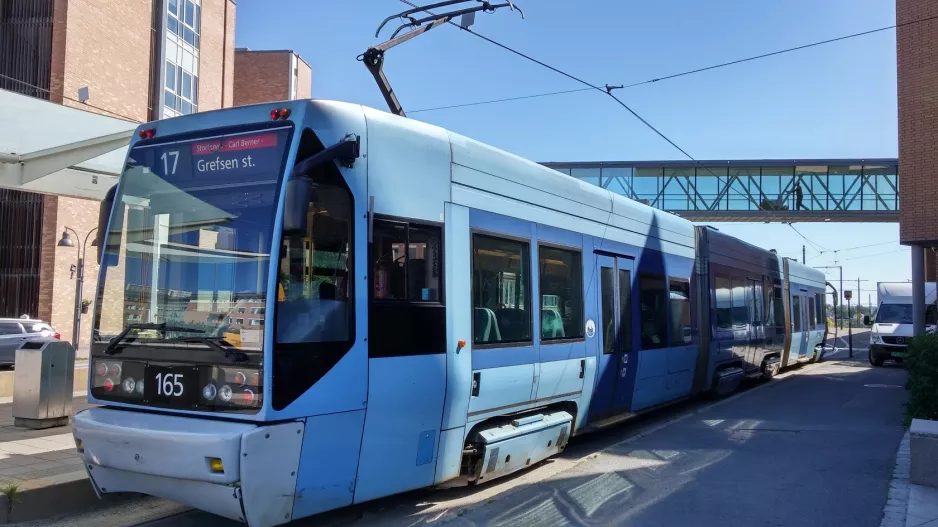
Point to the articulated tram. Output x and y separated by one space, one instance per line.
311 304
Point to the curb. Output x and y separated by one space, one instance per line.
52 500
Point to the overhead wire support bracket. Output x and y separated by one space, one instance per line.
373 57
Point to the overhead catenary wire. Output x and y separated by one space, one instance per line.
683 73
815 246
606 89
877 254
821 253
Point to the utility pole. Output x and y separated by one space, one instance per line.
803 259
848 295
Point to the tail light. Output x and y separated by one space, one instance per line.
56 336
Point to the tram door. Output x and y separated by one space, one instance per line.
617 361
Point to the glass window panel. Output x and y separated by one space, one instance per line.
195 41
424 269
186 85
740 304
654 311
680 313
879 179
713 182
590 175
724 305
756 303
811 320
625 311
679 189
607 278
779 308
185 106
198 18
618 180
563 170
195 90
170 75
776 187
389 240
178 79
190 13
172 24
500 289
561 279
745 193
188 35
170 99
847 186
647 183
796 313
813 180
173 6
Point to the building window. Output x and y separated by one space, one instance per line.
501 282
680 312
406 313
561 278
182 52
654 311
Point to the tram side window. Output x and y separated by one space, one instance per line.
819 309
740 303
406 314
724 305
314 304
778 307
811 317
796 312
680 312
654 314
561 279
501 279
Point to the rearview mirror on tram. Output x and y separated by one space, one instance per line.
299 190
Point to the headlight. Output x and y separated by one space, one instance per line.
874 339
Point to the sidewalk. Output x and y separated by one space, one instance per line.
44 466
909 505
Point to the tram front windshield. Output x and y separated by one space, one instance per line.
189 240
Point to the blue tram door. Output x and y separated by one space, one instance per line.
617 364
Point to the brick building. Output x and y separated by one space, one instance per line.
140 61
917 55
264 76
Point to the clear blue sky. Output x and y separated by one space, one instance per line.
832 101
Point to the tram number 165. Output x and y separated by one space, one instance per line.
169 384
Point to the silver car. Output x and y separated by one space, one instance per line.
15 331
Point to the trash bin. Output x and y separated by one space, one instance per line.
42 384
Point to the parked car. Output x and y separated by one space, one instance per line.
15 331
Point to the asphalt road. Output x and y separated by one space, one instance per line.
814 447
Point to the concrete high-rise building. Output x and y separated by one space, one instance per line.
267 76
137 60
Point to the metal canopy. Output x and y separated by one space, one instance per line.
54 149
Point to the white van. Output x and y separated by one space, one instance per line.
892 326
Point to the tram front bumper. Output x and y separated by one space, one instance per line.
240 471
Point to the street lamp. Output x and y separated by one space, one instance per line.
66 241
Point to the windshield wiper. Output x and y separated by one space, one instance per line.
219 343
116 346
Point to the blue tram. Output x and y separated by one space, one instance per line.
312 304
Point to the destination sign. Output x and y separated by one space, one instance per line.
241 157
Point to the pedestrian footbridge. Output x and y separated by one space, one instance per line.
842 190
